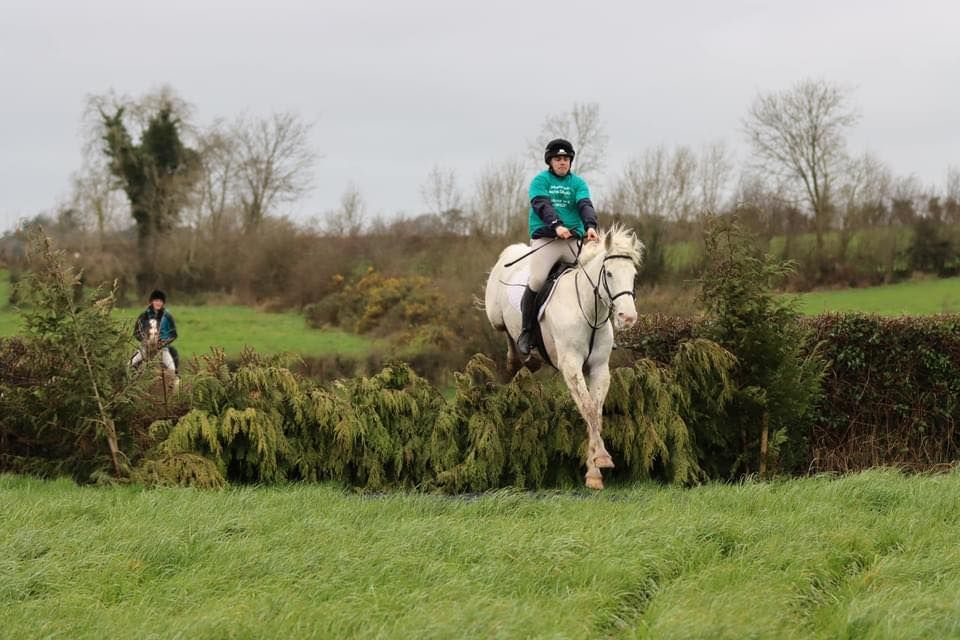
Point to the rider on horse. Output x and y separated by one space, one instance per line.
561 213
157 318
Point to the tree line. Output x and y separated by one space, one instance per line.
150 168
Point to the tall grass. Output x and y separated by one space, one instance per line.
870 555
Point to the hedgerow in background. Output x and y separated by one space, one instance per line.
376 303
65 392
892 393
777 380
435 331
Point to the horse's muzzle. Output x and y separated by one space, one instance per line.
625 319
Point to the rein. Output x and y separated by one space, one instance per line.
529 253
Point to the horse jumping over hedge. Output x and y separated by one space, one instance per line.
576 323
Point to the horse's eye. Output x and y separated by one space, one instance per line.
609 274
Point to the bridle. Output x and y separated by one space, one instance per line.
598 299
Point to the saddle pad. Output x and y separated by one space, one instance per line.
517 280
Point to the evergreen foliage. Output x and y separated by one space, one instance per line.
260 423
892 394
372 432
155 175
529 433
64 387
777 380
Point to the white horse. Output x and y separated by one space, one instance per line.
576 323
149 348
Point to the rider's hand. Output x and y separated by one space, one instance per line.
592 235
562 232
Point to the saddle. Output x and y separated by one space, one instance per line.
542 296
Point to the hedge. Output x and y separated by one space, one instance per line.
891 395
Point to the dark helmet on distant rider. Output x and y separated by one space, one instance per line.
558 147
158 295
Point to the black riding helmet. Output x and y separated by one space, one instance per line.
558 147
158 295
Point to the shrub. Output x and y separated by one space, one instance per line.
777 383
65 392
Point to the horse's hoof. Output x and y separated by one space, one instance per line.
594 482
604 461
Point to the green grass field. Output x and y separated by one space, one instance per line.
9 319
233 327
230 327
922 297
872 555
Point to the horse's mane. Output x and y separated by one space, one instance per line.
623 241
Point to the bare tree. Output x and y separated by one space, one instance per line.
349 218
864 192
659 183
800 135
274 163
583 127
907 199
714 171
953 183
101 205
501 198
218 181
952 196
441 194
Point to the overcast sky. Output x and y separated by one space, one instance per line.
395 88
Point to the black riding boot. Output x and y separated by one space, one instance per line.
529 311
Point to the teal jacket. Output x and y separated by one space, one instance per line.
558 201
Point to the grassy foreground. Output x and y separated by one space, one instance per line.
871 555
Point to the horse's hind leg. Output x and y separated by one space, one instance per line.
513 358
573 376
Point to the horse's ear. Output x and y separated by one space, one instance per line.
607 241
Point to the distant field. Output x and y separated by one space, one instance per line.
235 327
923 297
230 327
9 319
872 555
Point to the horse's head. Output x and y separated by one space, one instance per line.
153 334
622 254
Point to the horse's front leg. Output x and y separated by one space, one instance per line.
572 372
599 384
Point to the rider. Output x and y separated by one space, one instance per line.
561 213
167 332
